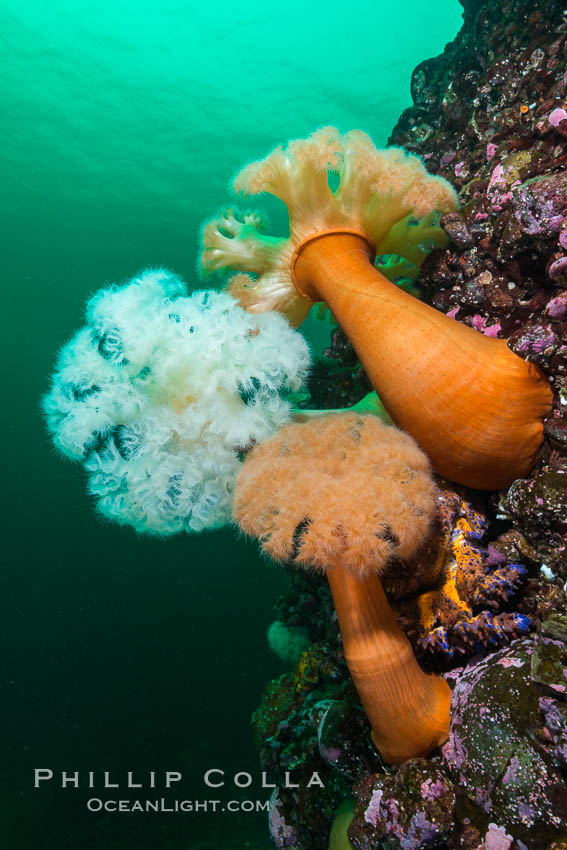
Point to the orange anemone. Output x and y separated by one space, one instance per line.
474 406
350 496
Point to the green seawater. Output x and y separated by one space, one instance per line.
122 123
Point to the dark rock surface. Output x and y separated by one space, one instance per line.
499 779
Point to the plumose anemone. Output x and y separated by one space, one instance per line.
160 393
474 406
288 642
350 496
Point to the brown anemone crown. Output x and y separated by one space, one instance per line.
344 489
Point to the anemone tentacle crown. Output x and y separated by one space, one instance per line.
161 391
382 194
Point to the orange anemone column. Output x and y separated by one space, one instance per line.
435 375
409 710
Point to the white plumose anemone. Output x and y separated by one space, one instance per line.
161 391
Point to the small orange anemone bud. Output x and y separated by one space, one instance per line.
474 406
353 497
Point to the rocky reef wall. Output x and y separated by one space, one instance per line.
489 115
